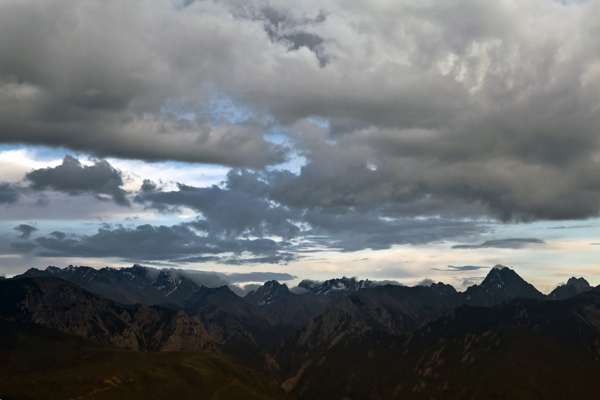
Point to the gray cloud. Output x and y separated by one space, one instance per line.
517 243
425 282
177 244
26 230
240 277
463 268
387 282
22 247
8 194
73 178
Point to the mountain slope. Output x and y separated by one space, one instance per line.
334 288
573 287
287 311
395 310
58 304
501 284
523 348
135 285
46 364
228 318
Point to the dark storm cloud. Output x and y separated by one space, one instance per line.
8 194
147 242
256 205
26 230
463 268
59 235
517 243
73 178
434 117
23 247
227 212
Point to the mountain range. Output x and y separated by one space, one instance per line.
338 338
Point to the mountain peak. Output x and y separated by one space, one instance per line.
500 284
573 287
267 293
336 287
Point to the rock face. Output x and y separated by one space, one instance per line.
501 284
268 293
573 287
523 348
336 287
287 311
228 318
395 310
61 305
135 285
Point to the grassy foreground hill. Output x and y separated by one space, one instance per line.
42 363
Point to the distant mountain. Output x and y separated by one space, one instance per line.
393 309
135 285
443 289
287 311
501 284
573 287
61 305
228 318
267 294
523 348
335 287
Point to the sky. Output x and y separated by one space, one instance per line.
388 140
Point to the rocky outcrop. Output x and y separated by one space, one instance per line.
573 287
61 305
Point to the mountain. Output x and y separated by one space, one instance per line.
61 305
268 293
228 318
135 285
523 348
573 287
287 311
393 309
39 363
335 287
501 284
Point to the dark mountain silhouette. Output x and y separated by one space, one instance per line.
287 311
393 309
135 285
335 287
523 348
268 293
501 284
228 318
573 287
58 304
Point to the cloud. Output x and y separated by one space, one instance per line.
425 282
240 277
8 194
75 179
463 268
387 282
26 230
177 244
22 247
517 243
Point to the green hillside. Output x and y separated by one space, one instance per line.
41 363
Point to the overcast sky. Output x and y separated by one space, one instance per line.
390 140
